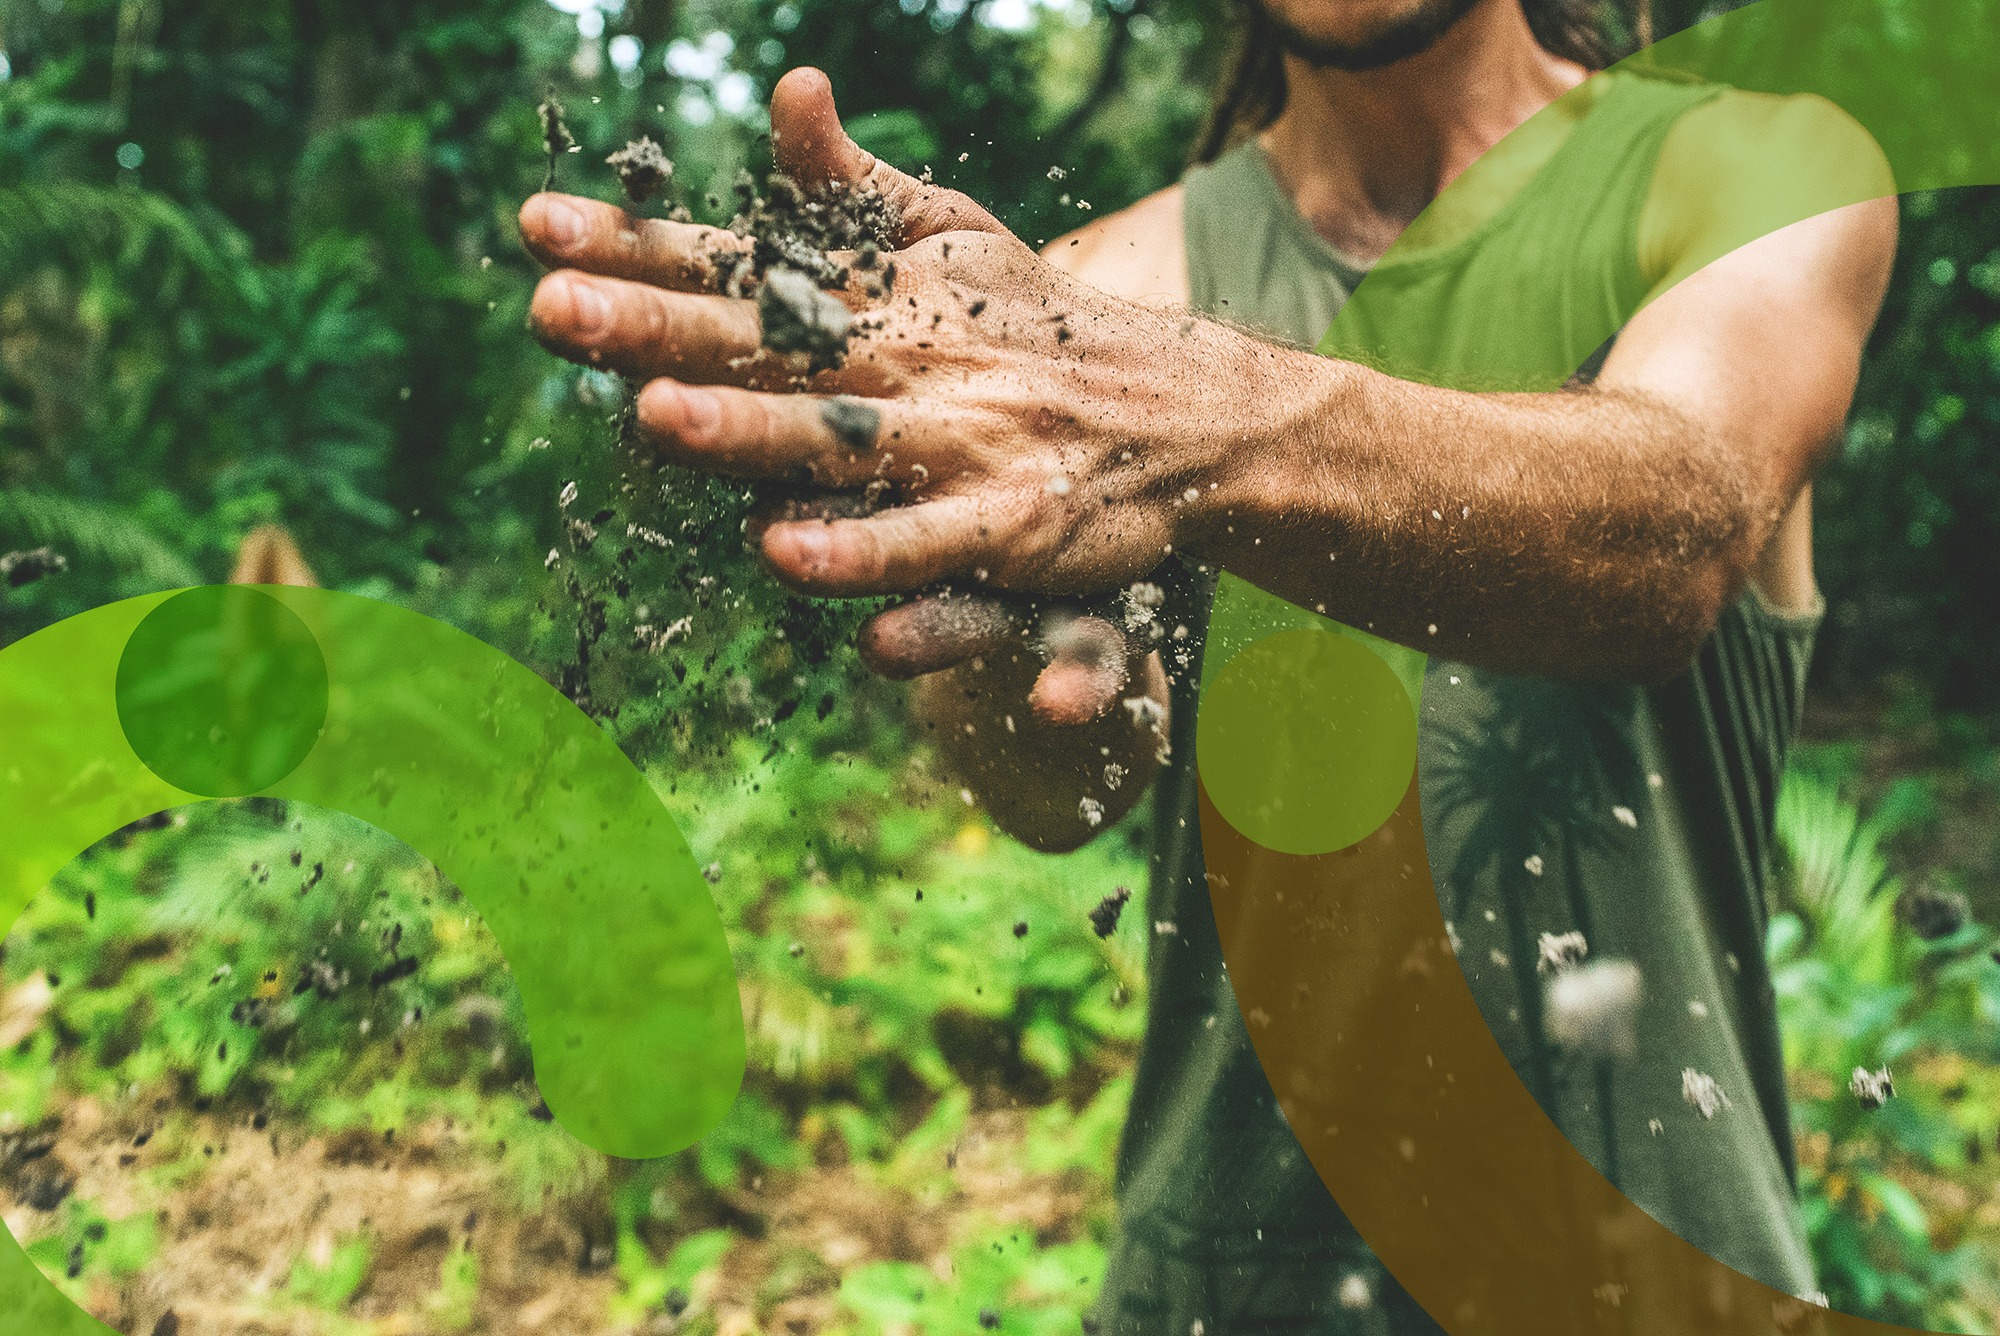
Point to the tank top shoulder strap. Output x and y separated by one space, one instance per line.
1603 181
1215 197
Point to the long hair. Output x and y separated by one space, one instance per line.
1250 91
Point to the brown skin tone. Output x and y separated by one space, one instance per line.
1580 535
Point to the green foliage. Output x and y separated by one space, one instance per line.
198 969
257 263
996 1282
330 1284
1857 989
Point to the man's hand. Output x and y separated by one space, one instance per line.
1018 411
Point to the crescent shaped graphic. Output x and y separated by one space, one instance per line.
464 755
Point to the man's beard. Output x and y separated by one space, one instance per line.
1405 37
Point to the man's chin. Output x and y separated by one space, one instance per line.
1377 47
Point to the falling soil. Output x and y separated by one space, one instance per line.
24 568
1104 918
643 168
662 560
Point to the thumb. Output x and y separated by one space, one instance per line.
811 147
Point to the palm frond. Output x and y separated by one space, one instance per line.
81 223
94 530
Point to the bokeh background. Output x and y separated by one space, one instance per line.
261 1069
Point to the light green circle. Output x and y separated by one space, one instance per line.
1306 741
222 691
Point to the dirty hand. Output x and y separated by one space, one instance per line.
1037 436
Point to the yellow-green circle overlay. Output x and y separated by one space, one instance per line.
1306 741
222 691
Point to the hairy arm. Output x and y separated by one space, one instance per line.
1050 439
1595 534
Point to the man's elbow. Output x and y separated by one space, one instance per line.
1676 628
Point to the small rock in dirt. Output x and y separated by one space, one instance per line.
24 568
1872 1089
1933 913
856 424
168 1325
798 318
1104 918
643 168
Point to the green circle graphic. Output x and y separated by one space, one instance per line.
1306 741
222 691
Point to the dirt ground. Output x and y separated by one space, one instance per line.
257 1201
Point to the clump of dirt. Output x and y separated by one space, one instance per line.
556 138
1104 918
24 568
1933 912
798 319
791 227
791 264
643 168
684 540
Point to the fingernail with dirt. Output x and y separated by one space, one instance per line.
561 225
699 415
589 311
810 548
1086 669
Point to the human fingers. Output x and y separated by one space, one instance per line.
894 551
839 440
811 146
1088 670
941 630
567 231
644 330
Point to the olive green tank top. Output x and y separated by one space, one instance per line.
1639 817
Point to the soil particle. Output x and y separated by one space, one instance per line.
24 568
1104 918
1933 913
857 424
555 136
1872 1089
1594 1008
799 319
1702 1093
643 168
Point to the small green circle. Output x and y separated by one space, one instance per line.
222 691
1306 741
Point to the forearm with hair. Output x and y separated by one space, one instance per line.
1586 534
